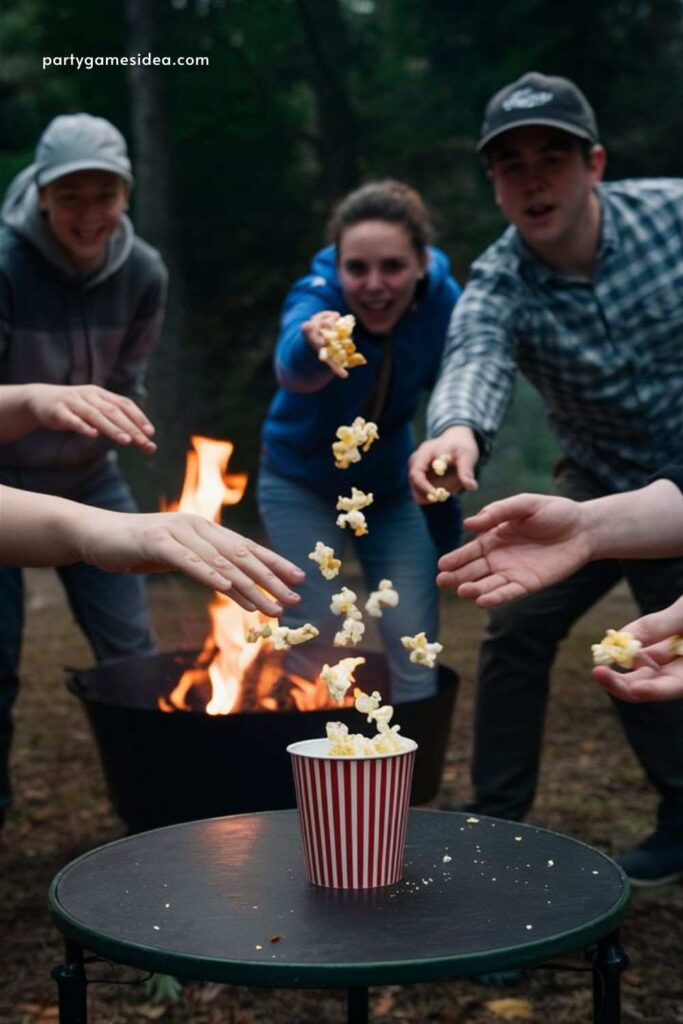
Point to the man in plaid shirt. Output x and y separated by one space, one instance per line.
584 294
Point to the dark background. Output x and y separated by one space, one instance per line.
238 163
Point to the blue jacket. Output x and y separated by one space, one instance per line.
312 402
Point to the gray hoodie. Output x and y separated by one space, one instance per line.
59 326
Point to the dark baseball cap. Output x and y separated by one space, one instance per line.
80 142
539 99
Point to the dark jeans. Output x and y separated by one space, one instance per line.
514 673
110 608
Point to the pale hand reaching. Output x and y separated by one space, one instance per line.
42 530
460 445
84 408
525 543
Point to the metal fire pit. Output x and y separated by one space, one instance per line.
162 768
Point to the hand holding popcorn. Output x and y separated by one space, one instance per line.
616 648
421 651
324 556
339 350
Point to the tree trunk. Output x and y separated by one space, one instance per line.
155 221
338 125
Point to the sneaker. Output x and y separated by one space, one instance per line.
657 860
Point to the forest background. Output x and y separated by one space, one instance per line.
238 163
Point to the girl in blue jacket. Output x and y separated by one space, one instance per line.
381 269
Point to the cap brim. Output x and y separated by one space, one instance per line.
524 122
53 173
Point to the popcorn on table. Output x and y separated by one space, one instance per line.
339 678
282 636
438 494
360 434
616 648
384 595
339 349
324 556
440 464
422 652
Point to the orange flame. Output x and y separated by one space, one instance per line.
207 486
226 657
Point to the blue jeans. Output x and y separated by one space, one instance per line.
110 608
397 547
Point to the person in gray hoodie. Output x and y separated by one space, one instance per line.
81 303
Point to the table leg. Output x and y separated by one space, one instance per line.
72 986
356 1006
608 960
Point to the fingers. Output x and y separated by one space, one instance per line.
94 411
497 512
250 568
644 684
650 629
469 559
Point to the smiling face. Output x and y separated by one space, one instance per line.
379 269
84 210
545 187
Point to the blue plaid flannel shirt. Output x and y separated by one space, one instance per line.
606 355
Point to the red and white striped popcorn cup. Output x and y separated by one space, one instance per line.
353 813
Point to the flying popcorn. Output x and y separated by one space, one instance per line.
440 464
282 636
254 634
421 651
338 678
360 435
339 349
359 499
384 595
355 520
344 603
616 648
438 494
324 556
350 634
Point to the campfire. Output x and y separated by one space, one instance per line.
165 759
239 676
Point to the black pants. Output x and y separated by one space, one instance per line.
514 673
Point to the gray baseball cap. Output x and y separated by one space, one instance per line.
80 142
539 99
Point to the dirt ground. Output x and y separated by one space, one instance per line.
591 788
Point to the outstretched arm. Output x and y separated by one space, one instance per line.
645 683
38 529
529 541
84 408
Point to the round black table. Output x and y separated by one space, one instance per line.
226 900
